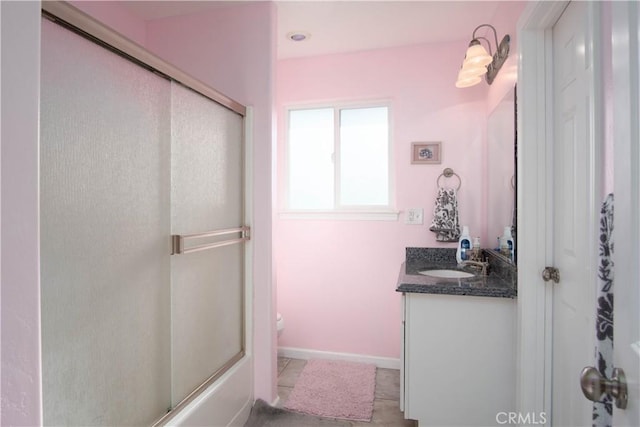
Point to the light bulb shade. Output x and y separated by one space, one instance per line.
467 80
469 70
477 54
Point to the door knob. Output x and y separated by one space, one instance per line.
551 273
595 385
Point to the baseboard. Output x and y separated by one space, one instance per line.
303 353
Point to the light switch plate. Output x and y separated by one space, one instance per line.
414 216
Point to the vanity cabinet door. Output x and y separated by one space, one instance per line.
459 359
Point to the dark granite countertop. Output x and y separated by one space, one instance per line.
500 282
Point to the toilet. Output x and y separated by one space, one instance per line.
280 323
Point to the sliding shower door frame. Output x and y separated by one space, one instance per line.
73 19
79 22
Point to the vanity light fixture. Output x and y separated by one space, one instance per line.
478 62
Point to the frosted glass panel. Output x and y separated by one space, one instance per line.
364 157
206 195
310 162
105 222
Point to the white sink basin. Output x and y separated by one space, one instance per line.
448 274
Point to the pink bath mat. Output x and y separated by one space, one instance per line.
336 389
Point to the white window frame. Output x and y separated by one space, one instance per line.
375 213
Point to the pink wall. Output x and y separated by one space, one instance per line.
336 279
115 16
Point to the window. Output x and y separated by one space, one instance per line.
338 159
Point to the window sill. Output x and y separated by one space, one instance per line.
341 215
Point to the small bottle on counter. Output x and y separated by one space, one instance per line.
464 245
506 243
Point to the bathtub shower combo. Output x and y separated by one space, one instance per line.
143 236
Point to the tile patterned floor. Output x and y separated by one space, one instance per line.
386 404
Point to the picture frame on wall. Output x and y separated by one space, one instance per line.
426 153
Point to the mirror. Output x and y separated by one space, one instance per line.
501 170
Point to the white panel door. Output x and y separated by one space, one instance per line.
574 295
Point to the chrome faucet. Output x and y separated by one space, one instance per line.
481 264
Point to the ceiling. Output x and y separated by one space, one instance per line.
348 26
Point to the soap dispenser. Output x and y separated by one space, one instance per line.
464 245
506 243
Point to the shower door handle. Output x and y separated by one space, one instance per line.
178 241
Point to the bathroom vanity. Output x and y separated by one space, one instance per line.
459 339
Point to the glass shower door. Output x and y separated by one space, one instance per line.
105 252
207 297
127 160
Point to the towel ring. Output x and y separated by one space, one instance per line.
448 173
